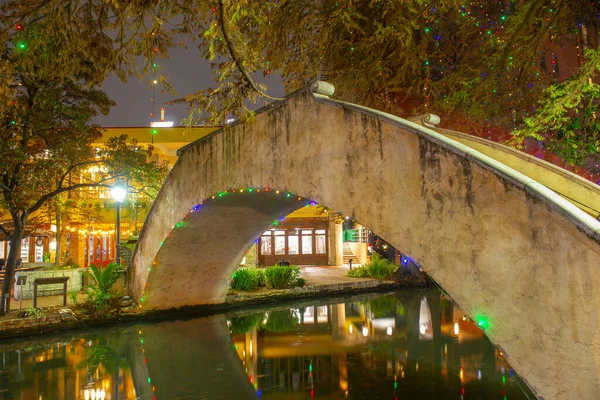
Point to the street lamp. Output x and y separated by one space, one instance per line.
118 193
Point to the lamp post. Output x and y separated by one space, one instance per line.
118 193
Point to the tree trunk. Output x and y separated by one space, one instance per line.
11 263
58 232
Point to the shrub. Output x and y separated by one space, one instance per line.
380 268
281 277
358 272
260 274
104 278
247 279
100 297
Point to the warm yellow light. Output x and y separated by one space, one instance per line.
456 328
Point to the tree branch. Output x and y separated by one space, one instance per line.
71 168
236 58
5 231
60 190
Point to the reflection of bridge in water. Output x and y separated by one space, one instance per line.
324 348
410 338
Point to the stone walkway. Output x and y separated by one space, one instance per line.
328 275
45 301
320 281
314 276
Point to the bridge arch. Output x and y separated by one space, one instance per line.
499 243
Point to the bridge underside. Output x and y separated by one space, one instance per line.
195 263
500 244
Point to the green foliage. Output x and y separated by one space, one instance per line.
281 321
261 278
247 279
73 296
46 257
104 278
246 323
282 277
33 312
100 296
568 120
358 272
380 268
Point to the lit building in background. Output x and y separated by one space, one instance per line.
88 223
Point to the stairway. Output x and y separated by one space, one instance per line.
347 254
126 255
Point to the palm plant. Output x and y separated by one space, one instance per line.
104 278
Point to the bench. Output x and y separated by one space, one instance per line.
50 281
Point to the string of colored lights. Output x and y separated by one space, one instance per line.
146 365
181 223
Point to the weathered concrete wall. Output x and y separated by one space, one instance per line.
583 193
501 246
198 353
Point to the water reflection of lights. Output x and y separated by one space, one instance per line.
423 329
94 394
461 374
365 331
389 330
350 329
456 328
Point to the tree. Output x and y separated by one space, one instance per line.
47 132
568 120
480 59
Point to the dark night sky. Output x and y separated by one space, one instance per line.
186 70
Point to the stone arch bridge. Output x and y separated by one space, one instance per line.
501 244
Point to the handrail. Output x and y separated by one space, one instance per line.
582 220
577 183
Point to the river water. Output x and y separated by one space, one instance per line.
412 344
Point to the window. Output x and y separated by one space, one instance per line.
279 244
266 245
104 255
320 244
307 244
293 244
25 250
91 249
